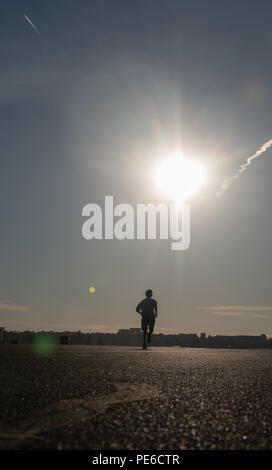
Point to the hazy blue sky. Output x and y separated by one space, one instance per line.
88 108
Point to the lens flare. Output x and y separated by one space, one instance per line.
44 344
179 178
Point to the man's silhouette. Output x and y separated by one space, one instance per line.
148 308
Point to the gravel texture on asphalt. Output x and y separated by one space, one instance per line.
103 397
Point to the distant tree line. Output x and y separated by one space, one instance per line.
126 338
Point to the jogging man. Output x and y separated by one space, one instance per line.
148 308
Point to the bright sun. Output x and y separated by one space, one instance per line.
179 178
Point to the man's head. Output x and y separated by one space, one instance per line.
148 293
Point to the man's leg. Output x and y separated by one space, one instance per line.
151 324
144 329
144 338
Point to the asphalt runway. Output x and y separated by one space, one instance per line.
105 397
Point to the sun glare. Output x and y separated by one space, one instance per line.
179 178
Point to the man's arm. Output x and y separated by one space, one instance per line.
156 308
138 308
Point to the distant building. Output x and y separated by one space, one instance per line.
132 337
263 337
2 334
65 340
239 341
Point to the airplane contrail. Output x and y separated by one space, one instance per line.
227 181
31 24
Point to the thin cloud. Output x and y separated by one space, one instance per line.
252 308
227 181
238 311
31 24
7 306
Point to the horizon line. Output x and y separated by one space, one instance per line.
134 328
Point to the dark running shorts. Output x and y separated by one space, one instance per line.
148 321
